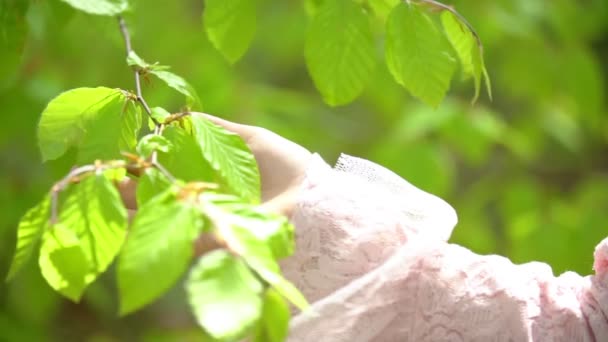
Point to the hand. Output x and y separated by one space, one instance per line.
282 165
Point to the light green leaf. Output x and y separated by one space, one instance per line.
64 263
31 228
150 184
274 230
100 122
274 324
228 155
224 295
151 143
178 83
100 7
259 257
94 214
13 34
417 54
382 7
339 51
230 26
159 113
468 50
158 250
186 159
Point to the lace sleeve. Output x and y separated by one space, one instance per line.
371 256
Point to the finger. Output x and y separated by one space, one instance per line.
245 131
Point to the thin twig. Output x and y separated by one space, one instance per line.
140 98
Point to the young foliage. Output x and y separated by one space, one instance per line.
229 156
339 51
170 79
224 295
230 26
151 183
93 222
186 160
99 7
99 122
417 54
158 250
30 230
274 323
151 143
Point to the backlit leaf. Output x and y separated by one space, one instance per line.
230 26
224 295
339 51
100 7
417 54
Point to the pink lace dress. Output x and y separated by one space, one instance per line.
373 259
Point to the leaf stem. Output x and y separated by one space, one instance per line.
127 38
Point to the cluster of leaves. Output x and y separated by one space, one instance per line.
194 179
341 54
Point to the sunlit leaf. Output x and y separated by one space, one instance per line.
417 54
93 225
186 160
230 26
150 184
158 250
29 232
178 83
151 143
383 7
339 51
228 154
274 324
99 122
274 230
224 295
100 7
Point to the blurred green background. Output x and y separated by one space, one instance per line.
527 172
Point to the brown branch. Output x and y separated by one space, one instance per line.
128 47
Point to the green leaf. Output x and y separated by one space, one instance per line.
31 228
186 158
151 143
64 263
468 50
172 80
382 7
274 324
100 122
339 51
274 230
94 215
228 155
13 34
150 184
158 250
100 7
159 113
230 26
417 54
178 83
224 295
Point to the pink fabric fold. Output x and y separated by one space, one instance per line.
372 257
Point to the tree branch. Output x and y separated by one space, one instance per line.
140 98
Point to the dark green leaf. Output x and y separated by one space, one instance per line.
158 250
274 324
228 154
93 221
100 7
151 143
339 51
230 26
224 295
417 54
30 230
